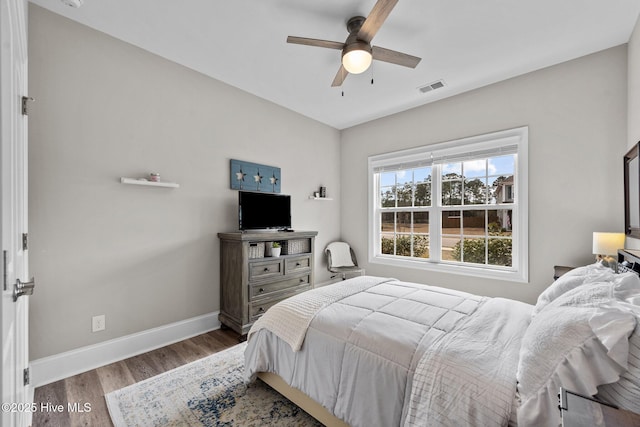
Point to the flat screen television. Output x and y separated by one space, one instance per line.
264 211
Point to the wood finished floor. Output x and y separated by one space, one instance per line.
93 385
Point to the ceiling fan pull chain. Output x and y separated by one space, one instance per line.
371 74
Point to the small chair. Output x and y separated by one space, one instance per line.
342 261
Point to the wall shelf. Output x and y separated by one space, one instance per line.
134 181
320 198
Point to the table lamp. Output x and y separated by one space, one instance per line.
605 245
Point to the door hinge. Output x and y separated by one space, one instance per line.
25 376
25 241
4 270
25 102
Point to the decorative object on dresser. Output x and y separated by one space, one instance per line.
249 285
275 249
605 245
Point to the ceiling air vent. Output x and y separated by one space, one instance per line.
431 86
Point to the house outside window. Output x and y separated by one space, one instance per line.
459 206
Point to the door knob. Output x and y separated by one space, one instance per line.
25 288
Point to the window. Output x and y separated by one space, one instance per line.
458 206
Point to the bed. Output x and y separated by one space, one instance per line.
374 351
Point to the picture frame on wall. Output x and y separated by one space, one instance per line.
249 176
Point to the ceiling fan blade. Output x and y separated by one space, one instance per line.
340 76
315 42
395 57
376 18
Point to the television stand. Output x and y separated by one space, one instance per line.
251 281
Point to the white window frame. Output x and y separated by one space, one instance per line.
492 142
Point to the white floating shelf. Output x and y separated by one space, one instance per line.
134 181
320 198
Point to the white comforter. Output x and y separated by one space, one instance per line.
468 377
360 353
290 319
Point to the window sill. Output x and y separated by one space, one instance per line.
442 267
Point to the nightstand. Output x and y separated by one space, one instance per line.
559 270
580 411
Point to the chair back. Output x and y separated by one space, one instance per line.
340 254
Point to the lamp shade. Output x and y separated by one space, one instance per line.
356 57
607 243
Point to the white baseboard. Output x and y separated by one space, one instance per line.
53 368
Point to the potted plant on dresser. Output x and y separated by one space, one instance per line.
275 249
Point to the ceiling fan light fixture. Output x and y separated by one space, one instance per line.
357 57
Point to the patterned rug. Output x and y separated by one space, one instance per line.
207 392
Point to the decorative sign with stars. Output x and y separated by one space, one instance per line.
254 177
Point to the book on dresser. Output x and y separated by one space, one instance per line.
251 280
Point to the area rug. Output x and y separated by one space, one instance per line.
207 392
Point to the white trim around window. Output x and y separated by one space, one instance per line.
511 142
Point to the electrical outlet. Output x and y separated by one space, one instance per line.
98 323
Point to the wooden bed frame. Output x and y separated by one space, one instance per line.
309 405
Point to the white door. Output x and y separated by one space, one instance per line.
13 199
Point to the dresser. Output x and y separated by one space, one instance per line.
251 281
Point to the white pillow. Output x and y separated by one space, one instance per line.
618 291
586 295
592 273
610 297
627 290
625 393
340 254
561 348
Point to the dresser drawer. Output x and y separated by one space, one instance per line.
257 309
298 264
265 269
264 289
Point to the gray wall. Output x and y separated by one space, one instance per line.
145 257
576 113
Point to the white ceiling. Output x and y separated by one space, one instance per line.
466 43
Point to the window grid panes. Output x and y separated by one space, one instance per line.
457 206
405 200
472 229
478 236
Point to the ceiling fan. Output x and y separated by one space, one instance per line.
357 52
